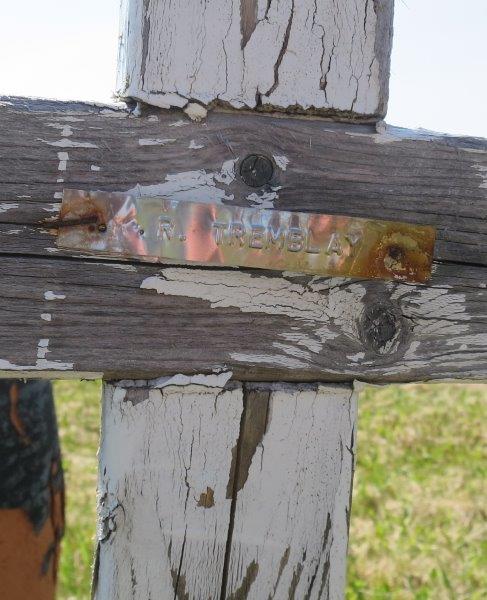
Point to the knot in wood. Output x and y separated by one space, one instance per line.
382 328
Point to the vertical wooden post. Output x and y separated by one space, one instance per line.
225 491
212 488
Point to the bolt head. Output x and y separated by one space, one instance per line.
256 170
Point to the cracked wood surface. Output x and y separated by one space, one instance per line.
290 525
161 450
79 318
65 313
252 53
397 174
214 490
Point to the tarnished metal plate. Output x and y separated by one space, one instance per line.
154 229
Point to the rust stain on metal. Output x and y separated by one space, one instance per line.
158 229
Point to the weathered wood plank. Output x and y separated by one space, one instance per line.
63 317
293 327
214 490
252 54
163 512
293 493
320 167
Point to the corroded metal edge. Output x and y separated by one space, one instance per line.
157 229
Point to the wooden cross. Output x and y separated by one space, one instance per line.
229 415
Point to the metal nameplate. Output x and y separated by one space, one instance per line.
155 229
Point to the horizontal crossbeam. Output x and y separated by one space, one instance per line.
65 313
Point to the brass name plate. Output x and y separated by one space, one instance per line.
154 229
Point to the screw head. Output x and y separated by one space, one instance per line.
102 227
256 170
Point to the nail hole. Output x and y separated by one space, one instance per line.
396 252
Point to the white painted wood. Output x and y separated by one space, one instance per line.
290 528
204 487
307 55
163 513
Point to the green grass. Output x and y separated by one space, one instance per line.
419 517
78 413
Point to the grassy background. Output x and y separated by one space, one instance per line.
419 518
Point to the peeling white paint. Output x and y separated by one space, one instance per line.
410 353
66 130
41 362
155 141
179 123
68 143
94 168
42 348
209 381
195 111
281 161
308 54
194 146
474 150
475 339
356 357
292 350
58 195
50 295
52 207
482 169
171 443
71 119
301 338
326 312
291 274
121 266
227 173
263 199
199 186
46 316
63 160
60 180
6 206
377 138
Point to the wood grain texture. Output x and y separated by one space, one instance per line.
163 512
250 54
319 167
290 528
65 317
263 326
199 498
